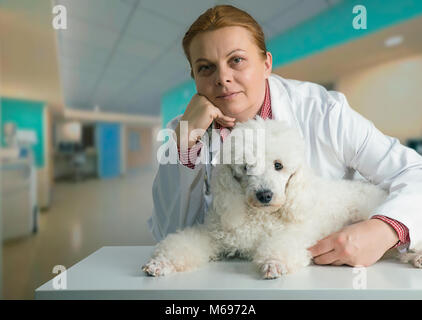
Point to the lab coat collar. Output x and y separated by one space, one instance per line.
281 104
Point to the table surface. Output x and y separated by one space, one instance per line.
115 273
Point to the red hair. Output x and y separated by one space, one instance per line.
224 16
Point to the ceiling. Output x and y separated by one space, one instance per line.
121 55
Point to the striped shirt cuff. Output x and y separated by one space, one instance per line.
400 228
188 157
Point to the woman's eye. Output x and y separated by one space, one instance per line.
237 60
278 166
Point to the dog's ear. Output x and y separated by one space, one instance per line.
228 197
296 190
295 183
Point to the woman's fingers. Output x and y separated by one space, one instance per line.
323 246
224 120
223 117
225 123
220 115
338 263
217 115
327 258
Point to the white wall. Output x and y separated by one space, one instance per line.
389 94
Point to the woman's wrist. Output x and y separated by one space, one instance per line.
187 138
386 231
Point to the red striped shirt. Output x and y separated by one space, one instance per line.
401 230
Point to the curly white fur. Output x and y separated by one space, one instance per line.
275 234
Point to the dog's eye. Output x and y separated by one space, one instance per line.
278 166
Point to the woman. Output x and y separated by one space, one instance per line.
231 67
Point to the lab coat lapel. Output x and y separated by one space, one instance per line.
281 104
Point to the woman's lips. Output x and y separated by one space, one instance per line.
229 97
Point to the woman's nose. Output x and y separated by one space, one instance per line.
223 76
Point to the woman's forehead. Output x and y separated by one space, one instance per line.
222 41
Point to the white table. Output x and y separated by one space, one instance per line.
115 273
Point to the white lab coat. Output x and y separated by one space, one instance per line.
340 142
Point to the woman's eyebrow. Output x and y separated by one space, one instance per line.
231 52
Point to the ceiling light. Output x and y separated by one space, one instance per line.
393 41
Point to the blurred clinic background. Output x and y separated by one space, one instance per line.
80 107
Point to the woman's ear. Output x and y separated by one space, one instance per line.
268 64
228 197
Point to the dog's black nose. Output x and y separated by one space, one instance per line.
264 196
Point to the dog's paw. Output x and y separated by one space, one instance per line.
417 261
157 267
272 269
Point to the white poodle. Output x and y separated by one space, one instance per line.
269 210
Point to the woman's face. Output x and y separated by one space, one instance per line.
226 61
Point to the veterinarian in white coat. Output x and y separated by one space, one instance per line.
339 142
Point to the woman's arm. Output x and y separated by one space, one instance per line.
383 161
178 189
177 195
360 244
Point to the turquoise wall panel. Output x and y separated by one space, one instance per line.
334 27
26 115
174 102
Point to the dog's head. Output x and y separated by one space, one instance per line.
265 156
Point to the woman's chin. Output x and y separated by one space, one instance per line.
233 110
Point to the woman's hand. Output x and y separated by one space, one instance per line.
199 114
360 244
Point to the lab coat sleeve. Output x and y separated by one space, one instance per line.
383 161
177 194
